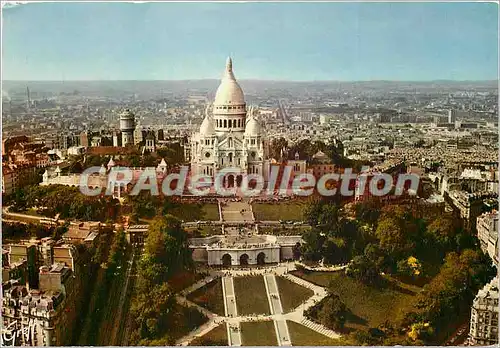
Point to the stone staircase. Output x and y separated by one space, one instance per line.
304 283
319 328
197 285
185 302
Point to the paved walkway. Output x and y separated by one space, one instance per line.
229 297
231 311
233 320
274 299
234 334
198 332
333 268
236 211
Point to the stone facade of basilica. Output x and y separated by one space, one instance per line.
230 136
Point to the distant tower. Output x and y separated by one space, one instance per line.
28 102
150 142
127 126
117 139
452 116
84 138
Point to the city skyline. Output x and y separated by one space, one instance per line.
268 41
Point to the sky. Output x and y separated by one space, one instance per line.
267 41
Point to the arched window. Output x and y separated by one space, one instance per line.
234 123
230 157
230 142
225 123
239 123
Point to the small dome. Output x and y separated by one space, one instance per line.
229 91
253 127
127 115
207 127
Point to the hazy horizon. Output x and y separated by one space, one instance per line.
268 41
264 80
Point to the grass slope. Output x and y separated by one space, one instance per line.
209 296
215 337
278 211
251 297
258 333
304 336
370 306
292 294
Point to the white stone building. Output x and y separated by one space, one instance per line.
227 250
230 136
484 316
127 127
487 233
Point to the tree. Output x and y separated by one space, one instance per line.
76 166
313 244
409 267
333 312
276 146
391 236
312 212
151 310
442 230
363 269
375 255
452 290
368 210
166 250
420 331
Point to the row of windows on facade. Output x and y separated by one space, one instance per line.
210 171
237 107
229 123
488 321
229 142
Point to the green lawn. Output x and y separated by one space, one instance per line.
318 278
251 297
292 294
370 306
258 333
215 337
195 211
182 320
210 211
209 297
304 336
184 279
279 211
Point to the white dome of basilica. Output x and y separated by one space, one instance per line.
229 91
207 127
229 136
252 127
